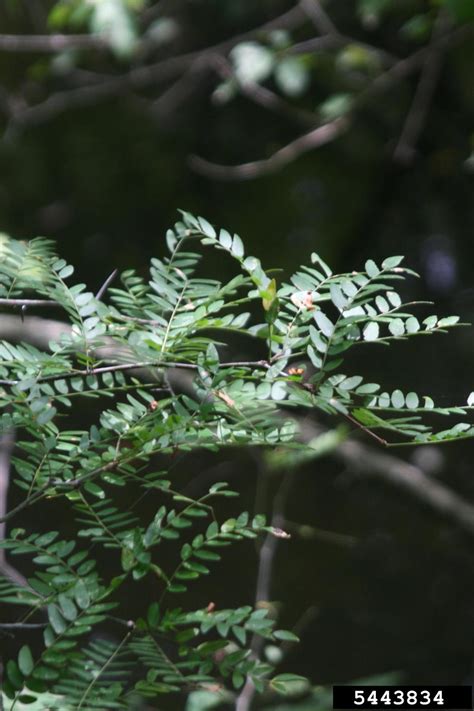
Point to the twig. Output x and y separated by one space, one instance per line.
106 284
267 555
22 625
266 559
85 373
305 531
100 672
319 17
315 44
299 628
137 366
245 171
404 67
67 485
330 41
367 431
7 443
173 97
331 35
29 302
39 494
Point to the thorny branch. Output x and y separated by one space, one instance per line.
28 302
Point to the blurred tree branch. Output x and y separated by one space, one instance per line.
319 136
424 92
266 559
261 95
7 444
428 57
140 77
50 43
177 76
319 17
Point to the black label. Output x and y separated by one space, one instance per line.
402 697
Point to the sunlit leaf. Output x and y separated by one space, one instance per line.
398 399
371 331
326 326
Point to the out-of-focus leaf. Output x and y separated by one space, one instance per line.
461 10
163 30
252 62
113 19
335 106
292 76
417 28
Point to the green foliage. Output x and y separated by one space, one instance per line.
462 10
113 20
120 354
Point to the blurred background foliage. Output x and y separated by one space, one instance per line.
343 127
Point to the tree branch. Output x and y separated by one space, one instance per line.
106 284
247 171
262 96
403 67
331 35
411 480
50 43
39 494
174 96
321 20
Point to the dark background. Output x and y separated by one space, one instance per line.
392 590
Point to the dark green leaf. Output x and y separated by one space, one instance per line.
14 675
